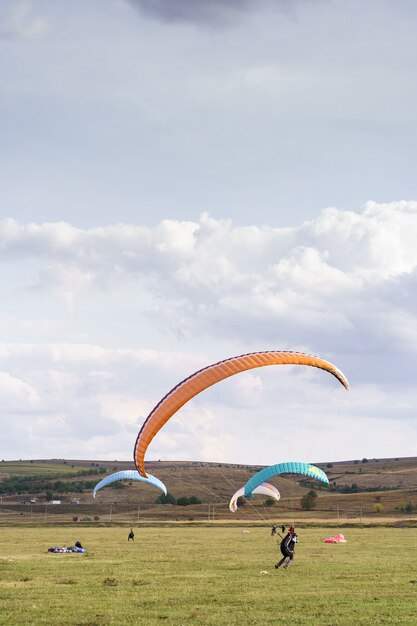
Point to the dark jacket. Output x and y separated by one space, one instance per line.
288 544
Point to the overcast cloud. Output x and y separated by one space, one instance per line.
186 181
208 12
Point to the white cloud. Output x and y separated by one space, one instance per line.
210 276
20 22
342 286
16 394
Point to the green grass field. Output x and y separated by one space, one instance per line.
212 575
39 468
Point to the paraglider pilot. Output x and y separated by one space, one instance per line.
273 530
131 535
287 549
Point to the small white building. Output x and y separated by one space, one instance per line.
55 502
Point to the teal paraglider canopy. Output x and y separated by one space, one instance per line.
304 469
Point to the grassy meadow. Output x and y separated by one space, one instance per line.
206 575
38 468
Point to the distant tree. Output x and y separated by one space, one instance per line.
194 500
185 501
378 507
364 460
309 501
166 499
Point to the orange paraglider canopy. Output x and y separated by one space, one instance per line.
211 375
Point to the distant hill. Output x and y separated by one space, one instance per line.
358 487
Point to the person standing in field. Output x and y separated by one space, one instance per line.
131 535
287 549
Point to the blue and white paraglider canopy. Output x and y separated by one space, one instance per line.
130 475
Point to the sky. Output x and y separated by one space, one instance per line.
181 182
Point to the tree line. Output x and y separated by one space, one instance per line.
181 501
13 485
